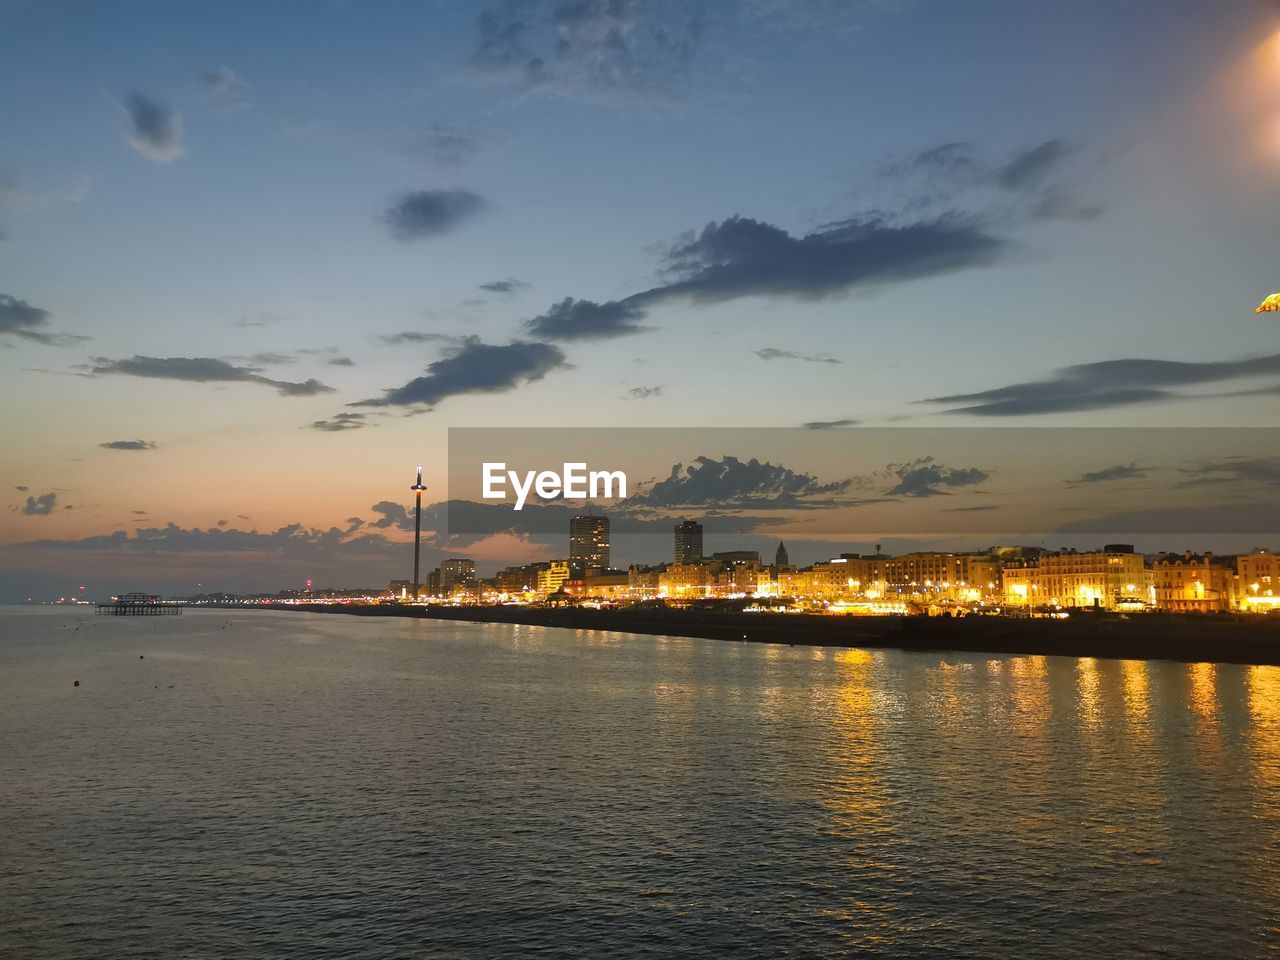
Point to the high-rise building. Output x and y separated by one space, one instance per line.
588 545
780 558
455 572
688 542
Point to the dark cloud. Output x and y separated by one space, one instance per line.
155 129
773 353
128 445
391 515
448 144
732 483
1121 471
22 489
586 320
505 287
741 257
225 89
926 478
1232 470
430 213
202 370
342 422
644 393
416 336
603 51
1107 383
20 319
139 513
259 320
340 362
829 424
1035 182
475 367
40 506
222 523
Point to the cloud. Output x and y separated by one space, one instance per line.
506 287
342 422
829 424
1034 182
430 213
20 319
729 482
925 478
416 336
1232 470
40 506
259 320
340 362
773 353
449 144
1122 471
741 257
1104 384
225 88
644 393
1031 166
599 51
155 129
22 489
391 515
202 370
475 367
128 445
572 319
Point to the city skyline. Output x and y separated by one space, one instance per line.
255 261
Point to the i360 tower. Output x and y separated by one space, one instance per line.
417 489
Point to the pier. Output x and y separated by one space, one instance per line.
139 605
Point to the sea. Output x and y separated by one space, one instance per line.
240 784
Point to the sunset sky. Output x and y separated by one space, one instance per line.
256 259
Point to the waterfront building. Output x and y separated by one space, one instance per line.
1112 577
553 577
520 579
688 542
687 581
588 544
606 585
932 577
455 573
1194 583
1259 589
643 582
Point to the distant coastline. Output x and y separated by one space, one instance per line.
1186 638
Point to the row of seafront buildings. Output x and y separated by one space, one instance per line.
1114 577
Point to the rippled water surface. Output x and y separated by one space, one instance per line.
251 784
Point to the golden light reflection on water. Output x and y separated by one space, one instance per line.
1203 695
1263 685
1137 692
1089 692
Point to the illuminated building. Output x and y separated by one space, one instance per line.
643 583
588 545
780 559
686 580
688 542
1099 578
553 577
1187 583
520 579
614 585
940 576
1259 581
456 572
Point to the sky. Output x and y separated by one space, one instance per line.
256 260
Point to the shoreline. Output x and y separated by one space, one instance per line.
1183 638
